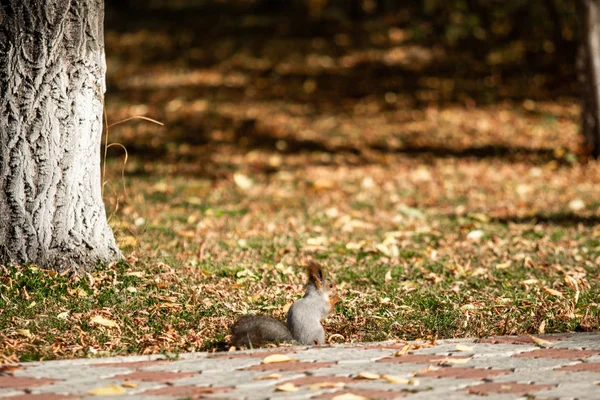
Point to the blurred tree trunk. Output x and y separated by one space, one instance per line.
52 69
590 64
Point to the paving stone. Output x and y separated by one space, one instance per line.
343 369
206 364
257 354
185 391
154 376
370 394
589 367
506 387
82 387
479 350
519 363
572 354
17 382
578 390
297 366
523 339
548 377
131 364
461 395
337 354
29 396
420 359
71 372
464 373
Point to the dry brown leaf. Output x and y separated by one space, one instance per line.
463 347
349 396
23 332
327 385
266 377
100 320
277 358
452 361
540 342
129 384
552 292
367 375
9 369
109 390
399 380
287 387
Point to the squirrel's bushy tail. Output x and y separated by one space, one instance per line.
256 330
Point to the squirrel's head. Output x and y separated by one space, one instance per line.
316 277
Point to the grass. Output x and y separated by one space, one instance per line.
191 269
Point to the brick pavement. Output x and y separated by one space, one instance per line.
565 366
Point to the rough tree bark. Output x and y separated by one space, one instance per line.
52 71
589 11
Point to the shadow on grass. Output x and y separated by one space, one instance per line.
564 219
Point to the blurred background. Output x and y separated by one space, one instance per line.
356 79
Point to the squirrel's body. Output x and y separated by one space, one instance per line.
303 319
305 315
256 330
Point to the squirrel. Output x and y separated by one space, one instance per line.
303 318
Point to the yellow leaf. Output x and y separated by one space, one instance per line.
399 381
504 265
32 304
277 358
326 385
128 241
23 332
270 376
100 320
388 275
350 396
138 274
242 181
63 315
77 292
463 347
128 384
367 375
110 390
553 292
542 327
529 281
452 361
540 342
288 387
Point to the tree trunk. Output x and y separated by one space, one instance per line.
52 69
590 63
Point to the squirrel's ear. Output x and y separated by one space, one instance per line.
315 273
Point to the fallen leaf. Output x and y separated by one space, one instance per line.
540 342
110 390
270 376
63 315
367 375
100 320
529 282
137 274
399 381
475 235
553 292
9 369
463 347
452 361
504 265
287 387
542 327
326 385
243 181
576 205
129 384
23 332
349 396
388 275
277 358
